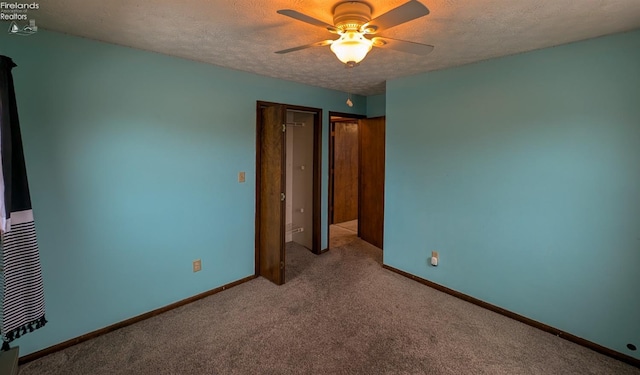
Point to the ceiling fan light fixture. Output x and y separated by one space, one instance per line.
352 47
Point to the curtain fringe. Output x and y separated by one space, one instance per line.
23 329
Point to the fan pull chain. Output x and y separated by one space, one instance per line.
349 102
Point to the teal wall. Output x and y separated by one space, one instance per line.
133 159
376 105
524 172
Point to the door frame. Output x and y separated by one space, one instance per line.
317 164
330 168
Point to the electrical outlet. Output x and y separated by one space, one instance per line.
241 177
434 258
197 265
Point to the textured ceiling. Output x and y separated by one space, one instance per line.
243 34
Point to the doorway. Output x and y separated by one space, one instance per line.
356 177
343 173
288 143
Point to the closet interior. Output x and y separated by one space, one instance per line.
299 178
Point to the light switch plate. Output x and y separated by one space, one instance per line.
197 265
241 177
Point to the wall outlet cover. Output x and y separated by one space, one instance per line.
197 265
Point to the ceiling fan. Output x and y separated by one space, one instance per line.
352 21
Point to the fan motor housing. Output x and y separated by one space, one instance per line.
351 15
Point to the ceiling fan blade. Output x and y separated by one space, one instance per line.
307 19
316 44
404 13
402 45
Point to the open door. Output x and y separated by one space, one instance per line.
371 187
270 188
344 166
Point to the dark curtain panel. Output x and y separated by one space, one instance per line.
22 289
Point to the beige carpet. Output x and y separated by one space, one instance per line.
349 225
339 313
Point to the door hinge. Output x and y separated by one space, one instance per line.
281 265
282 197
284 128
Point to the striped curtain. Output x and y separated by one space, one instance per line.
22 289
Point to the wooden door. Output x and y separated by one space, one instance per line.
270 186
371 191
345 177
